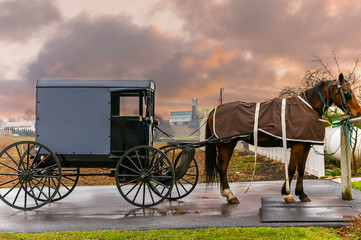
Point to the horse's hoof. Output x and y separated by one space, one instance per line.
288 198
233 201
305 199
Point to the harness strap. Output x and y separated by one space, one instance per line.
255 142
284 142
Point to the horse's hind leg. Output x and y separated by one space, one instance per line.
225 151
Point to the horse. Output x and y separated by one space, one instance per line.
320 98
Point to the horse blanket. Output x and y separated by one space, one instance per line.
302 122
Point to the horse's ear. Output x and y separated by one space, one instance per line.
341 79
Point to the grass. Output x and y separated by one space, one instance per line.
241 164
356 185
334 172
208 233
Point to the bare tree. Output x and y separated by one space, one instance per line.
29 114
321 72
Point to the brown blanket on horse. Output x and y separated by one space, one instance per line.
302 122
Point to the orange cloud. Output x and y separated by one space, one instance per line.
55 68
218 57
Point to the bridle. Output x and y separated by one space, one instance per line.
343 95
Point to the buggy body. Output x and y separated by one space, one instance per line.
91 123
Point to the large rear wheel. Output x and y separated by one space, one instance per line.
29 171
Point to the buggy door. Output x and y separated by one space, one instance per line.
128 125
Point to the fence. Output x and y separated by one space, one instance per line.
315 164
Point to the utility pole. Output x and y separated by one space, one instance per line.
221 95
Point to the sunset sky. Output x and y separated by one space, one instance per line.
190 48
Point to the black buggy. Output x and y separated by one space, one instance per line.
95 124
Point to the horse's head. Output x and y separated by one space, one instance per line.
343 97
337 92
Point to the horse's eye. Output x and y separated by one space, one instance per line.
348 95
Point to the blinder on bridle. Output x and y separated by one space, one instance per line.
345 96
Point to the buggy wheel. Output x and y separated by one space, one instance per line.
185 180
28 171
69 179
144 176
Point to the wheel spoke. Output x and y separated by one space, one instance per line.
150 192
129 168
26 195
159 160
161 169
154 188
27 156
35 157
11 189
4 183
136 195
176 187
12 159
137 155
42 161
9 174
132 188
17 194
144 193
182 186
185 180
127 175
44 183
159 183
168 177
134 164
131 181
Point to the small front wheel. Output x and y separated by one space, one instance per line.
144 176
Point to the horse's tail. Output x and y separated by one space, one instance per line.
211 153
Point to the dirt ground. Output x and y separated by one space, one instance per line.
240 170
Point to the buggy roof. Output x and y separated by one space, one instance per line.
96 83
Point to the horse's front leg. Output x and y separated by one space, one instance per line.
300 172
296 152
224 155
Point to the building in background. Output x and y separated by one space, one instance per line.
185 117
180 117
18 128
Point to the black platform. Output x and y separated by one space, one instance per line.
319 210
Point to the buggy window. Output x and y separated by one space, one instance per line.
128 106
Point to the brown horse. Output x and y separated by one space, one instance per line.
323 95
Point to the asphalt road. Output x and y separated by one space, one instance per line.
102 208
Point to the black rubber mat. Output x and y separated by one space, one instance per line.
316 202
319 210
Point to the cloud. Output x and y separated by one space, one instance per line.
101 47
15 97
20 20
250 48
292 29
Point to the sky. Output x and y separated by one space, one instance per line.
190 48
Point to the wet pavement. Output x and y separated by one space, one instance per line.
102 208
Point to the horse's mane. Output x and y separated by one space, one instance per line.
316 89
